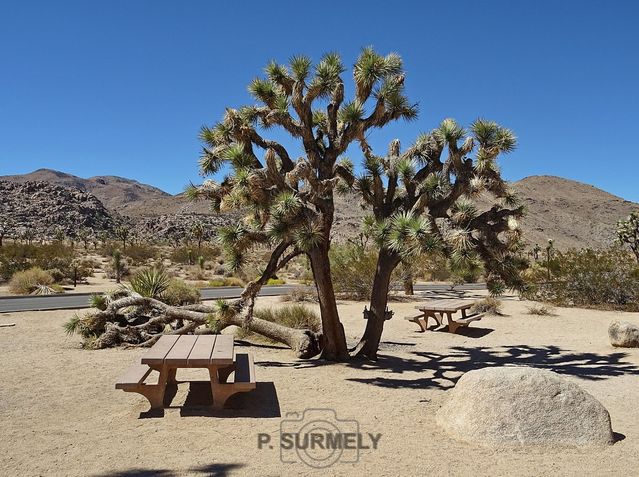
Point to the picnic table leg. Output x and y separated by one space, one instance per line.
220 391
155 392
224 373
171 376
452 325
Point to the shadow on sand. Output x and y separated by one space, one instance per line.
209 470
261 402
442 371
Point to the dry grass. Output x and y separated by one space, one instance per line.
541 309
488 305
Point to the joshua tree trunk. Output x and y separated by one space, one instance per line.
408 280
334 340
369 343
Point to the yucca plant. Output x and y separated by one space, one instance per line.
151 282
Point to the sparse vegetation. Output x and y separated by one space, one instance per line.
606 279
353 270
487 305
140 253
180 293
628 233
292 316
226 282
29 281
541 309
185 255
300 295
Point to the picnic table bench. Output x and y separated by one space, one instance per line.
213 352
437 309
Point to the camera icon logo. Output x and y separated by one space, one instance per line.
319 439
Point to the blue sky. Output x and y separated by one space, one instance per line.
122 87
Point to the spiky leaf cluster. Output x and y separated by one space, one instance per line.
287 200
436 181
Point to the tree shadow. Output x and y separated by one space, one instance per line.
443 370
210 470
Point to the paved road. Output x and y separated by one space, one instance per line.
80 300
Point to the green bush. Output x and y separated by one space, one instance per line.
150 282
15 257
276 281
353 270
606 279
180 293
28 281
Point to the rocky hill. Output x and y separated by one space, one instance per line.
572 213
45 208
125 196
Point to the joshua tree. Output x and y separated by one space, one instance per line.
28 235
85 236
290 202
550 249
628 232
118 265
59 235
423 203
122 233
6 225
197 230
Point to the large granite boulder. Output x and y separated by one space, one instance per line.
624 334
523 406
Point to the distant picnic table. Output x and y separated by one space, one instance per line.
213 352
437 309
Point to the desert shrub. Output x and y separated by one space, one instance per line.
109 267
226 282
590 278
150 282
276 281
15 257
196 273
487 305
353 269
292 316
189 255
27 281
541 310
47 289
180 293
140 253
300 295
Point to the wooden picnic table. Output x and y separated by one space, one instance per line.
214 352
437 309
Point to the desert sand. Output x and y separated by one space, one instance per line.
61 415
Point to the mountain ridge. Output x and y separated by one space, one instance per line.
572 213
